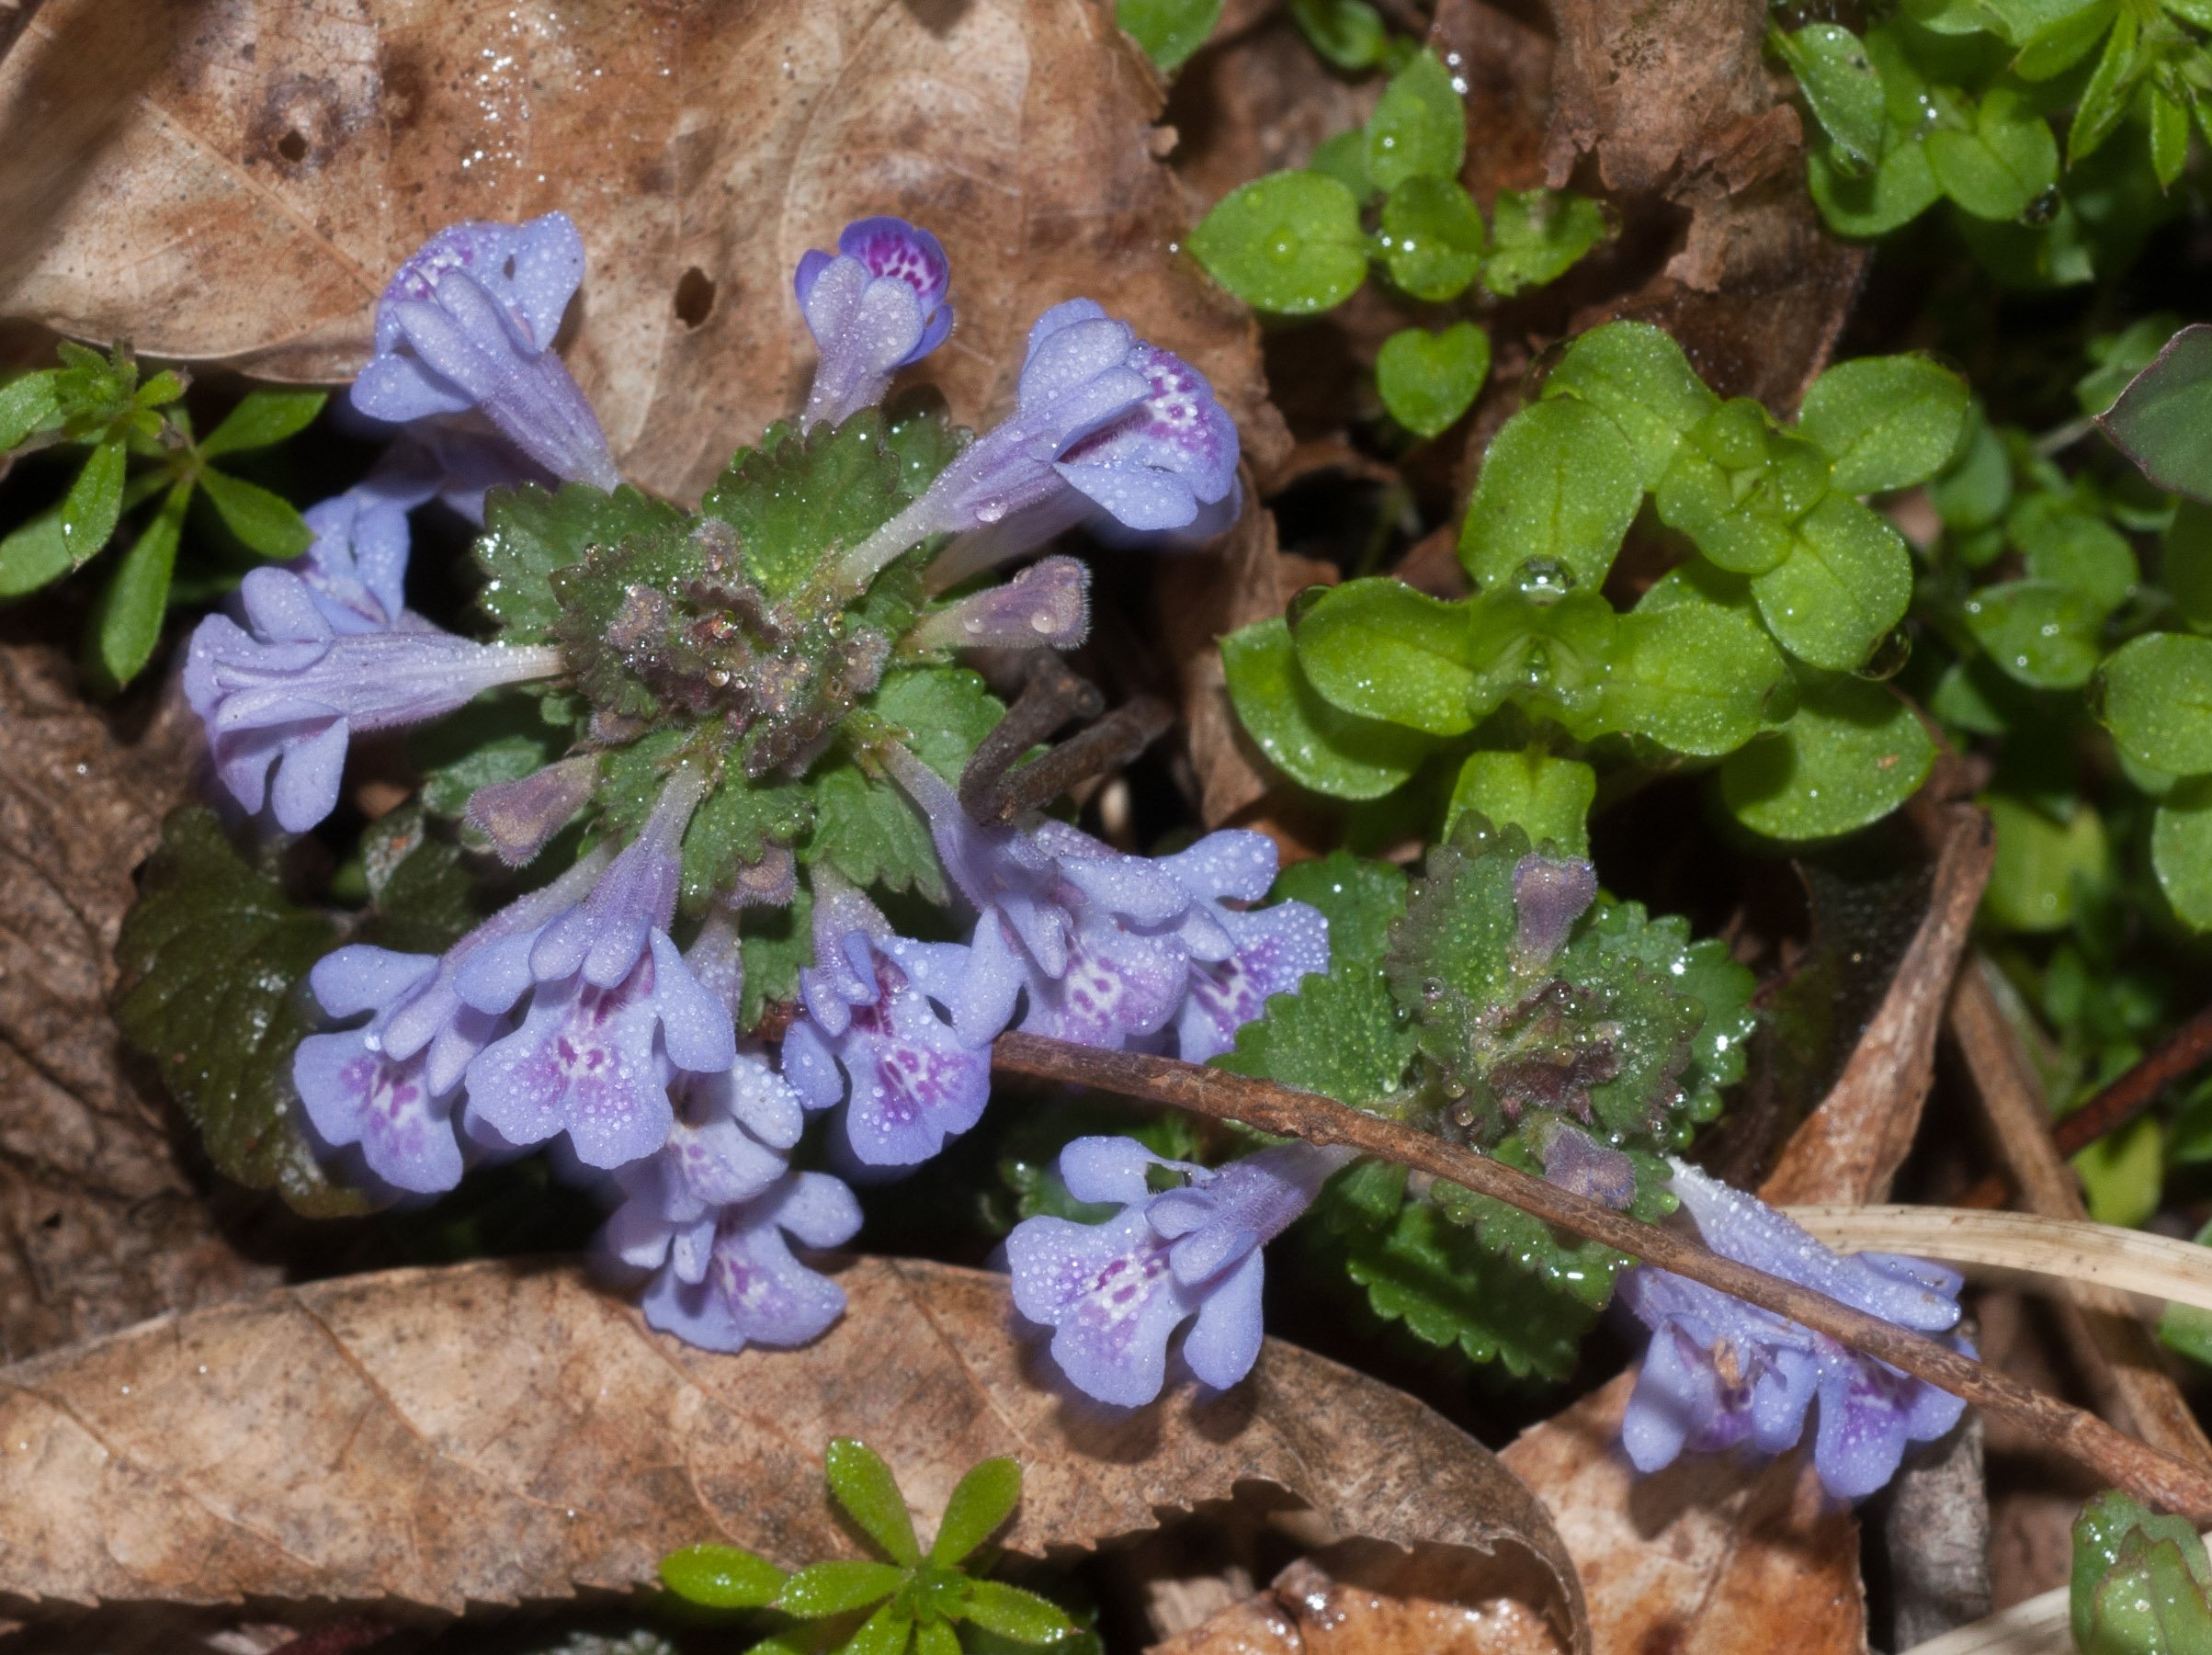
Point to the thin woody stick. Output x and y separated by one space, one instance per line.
2152 1477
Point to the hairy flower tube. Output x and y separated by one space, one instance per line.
876 306
1721 1372
466 328
390 1086
613 1010
1163 449
291 692
1115 1293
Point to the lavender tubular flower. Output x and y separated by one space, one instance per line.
357 568
1166 466
1115 1293
1046 605
752 1291
391 1086
613 1009
877 306
1721 1372
726 1150
291 692
1082 931
1076 379
1239 957
872 1041
467 326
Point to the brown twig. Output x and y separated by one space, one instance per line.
2120 1361
2155 1478
2173 1058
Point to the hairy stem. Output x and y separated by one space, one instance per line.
2152 1477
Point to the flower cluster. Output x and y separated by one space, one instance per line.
1721 1372
573 1018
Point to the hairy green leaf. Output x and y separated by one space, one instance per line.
1548 798
1559 487
1315 743
1887 421
1432 237
1853 754
1289 242
1636 375
1537 236
722 1577
212 956
529 533
262 418
1419 129
2157 701
1380 650
1428 380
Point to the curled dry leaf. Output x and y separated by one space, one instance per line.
497 1431
99 1227
278 165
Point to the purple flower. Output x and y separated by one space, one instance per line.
614 1011
1082 931
724 1149
1046 606
1239 957
357 569
1166 468
1078 379
291 692
1721 1372
390 1086
876 306
751 1290
872 1039
1113 1293
468 325
1164 461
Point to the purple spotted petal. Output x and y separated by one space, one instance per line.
752 1290
876 307
585 1062
1106 1291
1274 949
356 1094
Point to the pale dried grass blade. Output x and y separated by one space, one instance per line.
2039 1626
2069 1249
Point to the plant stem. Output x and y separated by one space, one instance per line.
2152 1477
2116 1104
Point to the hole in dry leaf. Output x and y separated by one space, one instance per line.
694 297
292 146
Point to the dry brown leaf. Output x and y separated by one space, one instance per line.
1334 1604
287 156
1647 89
1675 105
99 1228
497 1431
